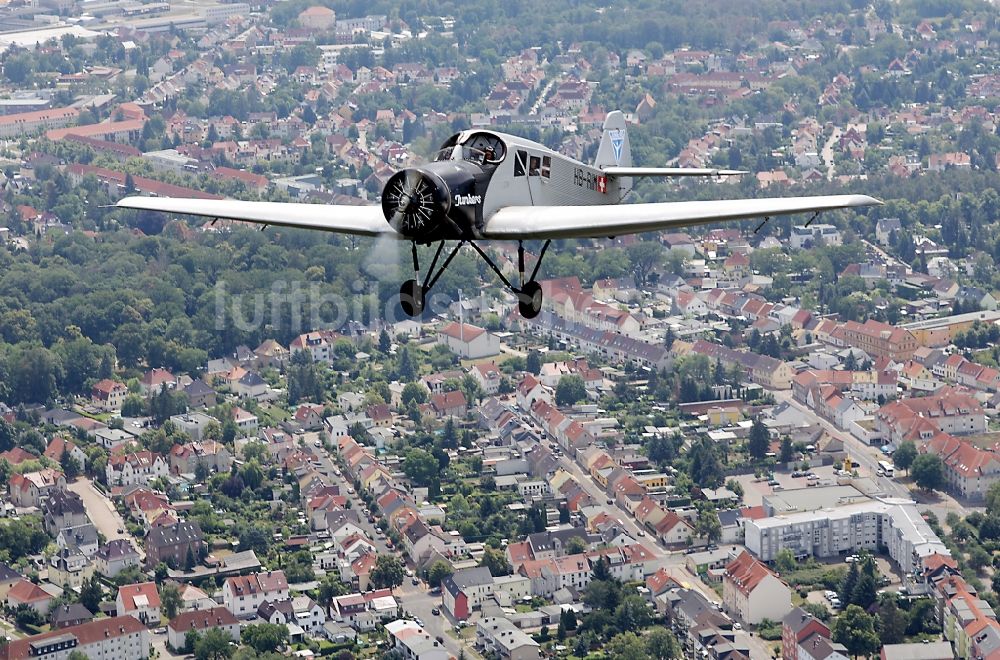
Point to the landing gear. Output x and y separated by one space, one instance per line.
411 298
530 300
413 293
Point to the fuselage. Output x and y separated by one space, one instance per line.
478 172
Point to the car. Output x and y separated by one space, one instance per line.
440 639
772 482
798 474
436 591
778 487
162 630
609 502
850 559
350 490
415 582
409 572
641 533
318 443
737 626
828 594
419 622
436 611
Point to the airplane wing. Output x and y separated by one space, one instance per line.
544 222
669 171
343 219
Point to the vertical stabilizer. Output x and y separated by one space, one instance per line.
614 150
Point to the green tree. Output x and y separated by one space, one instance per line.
438 571
91 594
265 637
992 497
927 472
496 561
575 545
643 257
570 390
904 455
784 561
170 600
858 631
892 620
413 392
865 589
70 466
421 467
787 451
627 646
759 441
213 645
661 644
533 363
388 572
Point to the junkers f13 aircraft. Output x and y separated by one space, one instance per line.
490 186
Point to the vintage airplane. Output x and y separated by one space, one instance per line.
484 185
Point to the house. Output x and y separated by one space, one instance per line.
135 469
364 611
179 544
8 578
488 376
797 626
199 394
251 386
60 445
468 341
300 611
114 440
68 615
108 395
498 637
412 642
115 556
465 591
63 509
141 601
215 618
28 593
32 488
211 455
752 592
121 638
154 380
449 404
243 594
81 539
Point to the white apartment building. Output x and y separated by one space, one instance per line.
892 522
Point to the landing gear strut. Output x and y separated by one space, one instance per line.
413 293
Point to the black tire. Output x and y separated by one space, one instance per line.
411 298
530 300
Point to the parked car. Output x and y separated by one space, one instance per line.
436 611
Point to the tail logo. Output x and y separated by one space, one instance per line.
617 136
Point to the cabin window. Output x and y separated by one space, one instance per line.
546 166
534 166
520 161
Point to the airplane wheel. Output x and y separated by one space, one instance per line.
530 300
411 298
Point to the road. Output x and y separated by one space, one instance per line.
415 600
827 153
865 455
102 513
672 561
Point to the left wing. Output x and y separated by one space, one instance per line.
543 222
342 219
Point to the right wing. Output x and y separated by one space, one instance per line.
342 219
602 221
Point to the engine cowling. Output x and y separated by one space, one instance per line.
439 201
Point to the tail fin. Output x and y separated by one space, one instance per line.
614 150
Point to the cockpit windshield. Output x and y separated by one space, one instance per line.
462 152
483 149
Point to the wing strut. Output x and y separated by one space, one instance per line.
813 219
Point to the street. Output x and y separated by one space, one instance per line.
102 513
868 458
415 600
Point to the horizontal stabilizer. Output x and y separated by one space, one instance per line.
670 171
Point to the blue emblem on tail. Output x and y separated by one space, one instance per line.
617 136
